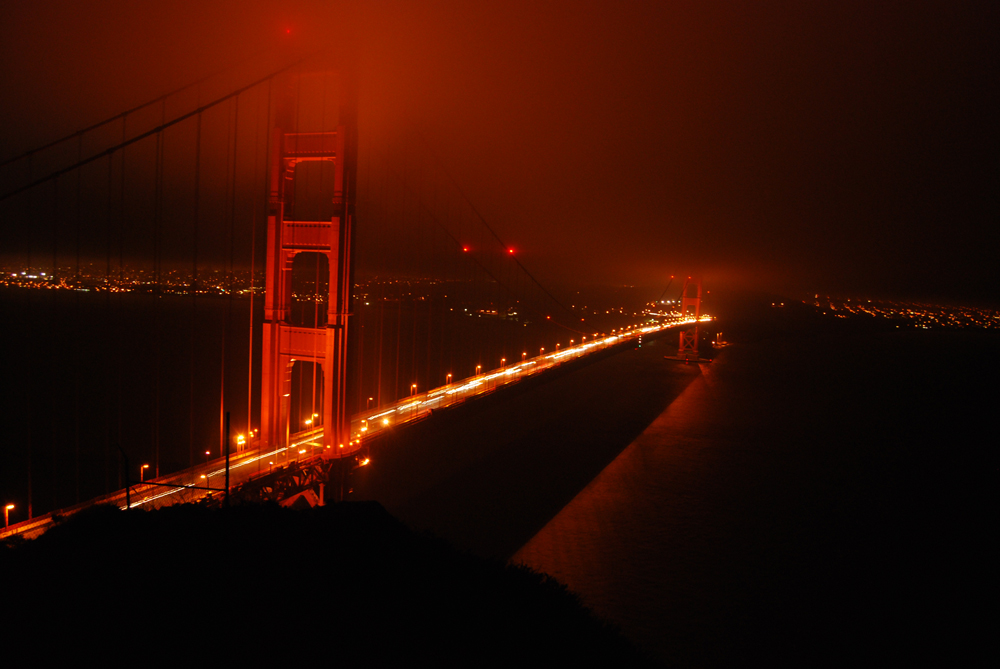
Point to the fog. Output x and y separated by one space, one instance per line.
847 146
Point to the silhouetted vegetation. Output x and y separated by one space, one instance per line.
346 582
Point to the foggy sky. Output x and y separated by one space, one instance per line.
792 146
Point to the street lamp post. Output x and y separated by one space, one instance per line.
478 367
142 472
447 379
6 515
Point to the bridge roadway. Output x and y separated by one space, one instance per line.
192 484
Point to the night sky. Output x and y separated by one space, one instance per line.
790 146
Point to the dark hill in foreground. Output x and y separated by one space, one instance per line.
345 582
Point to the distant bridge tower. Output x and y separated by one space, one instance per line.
318 219
690 308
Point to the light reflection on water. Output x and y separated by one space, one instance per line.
608 544
779 507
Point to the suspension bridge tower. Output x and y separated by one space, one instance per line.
310 211
690 308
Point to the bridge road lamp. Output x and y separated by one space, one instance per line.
447 379
142 472
369 404
6 515
478 367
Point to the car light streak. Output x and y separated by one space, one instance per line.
467 386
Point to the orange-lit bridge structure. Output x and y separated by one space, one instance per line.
166 213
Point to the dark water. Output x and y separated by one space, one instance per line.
815 497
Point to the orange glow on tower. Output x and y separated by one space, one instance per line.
301 135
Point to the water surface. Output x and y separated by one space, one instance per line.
809 499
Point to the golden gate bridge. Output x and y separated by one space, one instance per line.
215 320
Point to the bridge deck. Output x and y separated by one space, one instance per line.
191 485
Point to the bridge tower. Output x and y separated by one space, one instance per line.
305 133
690 308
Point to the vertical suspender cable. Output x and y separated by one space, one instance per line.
233 134
107 317
118 300
30 321
157 277
384 210
266 194
52 307
79 179
76 344
194 284
253 268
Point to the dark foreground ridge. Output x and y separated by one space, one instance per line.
345 582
